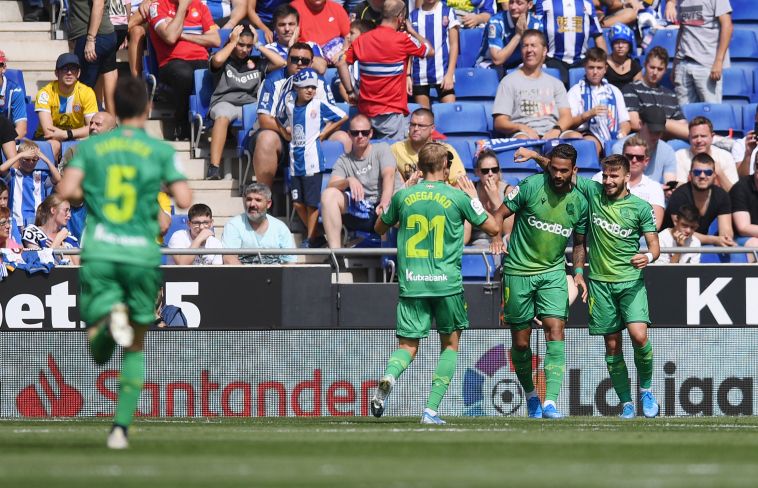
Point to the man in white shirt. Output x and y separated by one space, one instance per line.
199 234
701 140
637 151
686 221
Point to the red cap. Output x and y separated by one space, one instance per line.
2 57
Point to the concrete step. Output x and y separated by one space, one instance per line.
215 185
223 203
36 73
47 50
24 31
11 11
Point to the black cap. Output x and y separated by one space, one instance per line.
654 118
65 59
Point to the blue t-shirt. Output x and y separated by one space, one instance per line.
12 101
238 234
663 160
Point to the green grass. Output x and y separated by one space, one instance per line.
391 452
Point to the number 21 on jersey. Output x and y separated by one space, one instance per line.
436 225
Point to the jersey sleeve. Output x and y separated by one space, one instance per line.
647 218
472 210
412 47
158 14
89 102
207 19
44 99
487 6
350 54
595 28
266 97
391 214
18 106
587 186
495 38
517 197
331 113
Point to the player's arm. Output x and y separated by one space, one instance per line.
388 187
71 183
181 193
641 260
524 154
578 258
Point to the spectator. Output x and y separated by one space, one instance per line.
711 201
530 104
262 15
569 25
637 152
623 68
471 13
620 12
744 151
236 78
227 14
14 232
65 106
406 151
702 48
287 27
701 139
256 229
324 22
361 186
35 11
383 55
12 101
598 108
28 186
119 12
686 222
198 234
7 138
137 33
437 21
49 229
368 10
501 44
491 191
744 196
6 240
649 92
308 121
268 147
662 165
95 43
181 31
357 27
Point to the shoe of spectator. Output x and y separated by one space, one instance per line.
305 243
213 173
182 133
318 241
36 14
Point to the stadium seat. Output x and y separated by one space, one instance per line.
200 102
748 117
744 11
677 144
575 74
476 84
665 38
459 119
245 158
178 222
586 158
510 169
474 267
737 86
463 148
332 150
608 147
743 50
32 120
554 72
721 115
66 145
470 44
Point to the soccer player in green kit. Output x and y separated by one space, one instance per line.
429 249
548 208
617 294
119 174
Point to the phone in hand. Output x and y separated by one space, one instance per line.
671 184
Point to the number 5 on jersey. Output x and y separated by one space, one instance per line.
119 187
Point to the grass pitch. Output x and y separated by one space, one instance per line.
391 452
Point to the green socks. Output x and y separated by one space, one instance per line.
102 345
619 377
130 386
522 364
643 360
441 379
555 365
397 363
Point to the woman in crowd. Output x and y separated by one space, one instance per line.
622 67
49 229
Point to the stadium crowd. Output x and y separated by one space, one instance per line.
377 79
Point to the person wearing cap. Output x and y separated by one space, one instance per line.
12 99
649 92
65 106
307 122
662 165
622 67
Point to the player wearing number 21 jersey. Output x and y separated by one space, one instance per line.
120 173
431 216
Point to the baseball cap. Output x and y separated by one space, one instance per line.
305 77
654 118
2 57
66 59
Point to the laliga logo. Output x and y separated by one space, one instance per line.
64 400
493 375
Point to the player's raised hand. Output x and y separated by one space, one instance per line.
639 261
581 285
466 185
524 154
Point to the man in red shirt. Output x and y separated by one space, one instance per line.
321 21
181 32
383 55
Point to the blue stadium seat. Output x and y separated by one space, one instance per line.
32 120
586 158
608 147
66 145
476 84
510 169
473 267
178 222
459 119
332 151
665 38
463 148
150 70
748 117
677 144
721 115
743 50
200 102
249 117
554 72
737 86
17 76
575 74
469 46
744 11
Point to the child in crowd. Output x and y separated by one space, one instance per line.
502 37
308 122
686 221
28 184
435 21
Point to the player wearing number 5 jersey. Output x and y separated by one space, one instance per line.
120 174
429 249
548 209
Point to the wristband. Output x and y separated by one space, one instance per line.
649 256
70 135
578 271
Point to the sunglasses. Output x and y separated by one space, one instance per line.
300 60
493 170
635 157
701 172
356 133
5 222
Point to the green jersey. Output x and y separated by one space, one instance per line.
544 221
123 171
430 237
616 227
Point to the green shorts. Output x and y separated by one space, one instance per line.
614 305
415 315
541 295
102 284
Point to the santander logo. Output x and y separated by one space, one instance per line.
60 399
